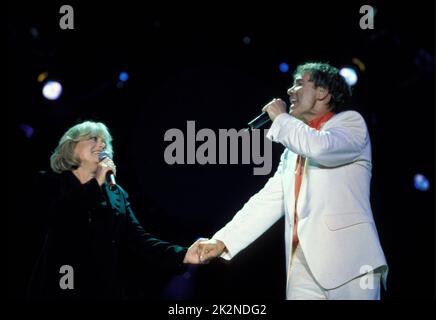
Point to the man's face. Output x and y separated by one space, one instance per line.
302 96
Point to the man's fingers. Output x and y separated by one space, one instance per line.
264 109
208 255
199 250
208 252
203 249
197 246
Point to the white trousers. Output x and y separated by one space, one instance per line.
303 286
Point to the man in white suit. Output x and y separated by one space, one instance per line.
322 187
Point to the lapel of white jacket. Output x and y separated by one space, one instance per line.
304 182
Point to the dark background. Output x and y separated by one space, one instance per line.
189 62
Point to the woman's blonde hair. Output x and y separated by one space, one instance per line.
63 158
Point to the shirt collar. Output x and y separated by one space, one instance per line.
318 122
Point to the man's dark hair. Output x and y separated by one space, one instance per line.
326 76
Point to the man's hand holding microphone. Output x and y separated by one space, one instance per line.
275 108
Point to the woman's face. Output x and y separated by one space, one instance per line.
87 152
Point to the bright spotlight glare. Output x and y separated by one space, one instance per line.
349 75
124 76
284 67
421 182
52 90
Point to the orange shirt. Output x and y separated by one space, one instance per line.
299 169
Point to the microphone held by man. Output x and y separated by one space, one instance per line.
266 116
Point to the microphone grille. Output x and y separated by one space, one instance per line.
102 155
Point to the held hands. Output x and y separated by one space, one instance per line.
210 249
275 108
203 250
191 255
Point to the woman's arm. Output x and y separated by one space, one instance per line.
151 249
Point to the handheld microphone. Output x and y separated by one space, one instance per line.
259 121
110 177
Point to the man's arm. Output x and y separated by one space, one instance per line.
335 146
257 215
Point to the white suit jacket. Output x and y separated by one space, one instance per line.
335 227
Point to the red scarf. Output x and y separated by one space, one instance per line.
299 168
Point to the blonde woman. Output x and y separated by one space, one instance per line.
91 227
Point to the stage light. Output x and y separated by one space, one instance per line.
124 76
246 40
421 182
42 76
359 63
52 90
27 130
350 75
284 67
34 32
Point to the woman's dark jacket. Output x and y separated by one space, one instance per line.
91 229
